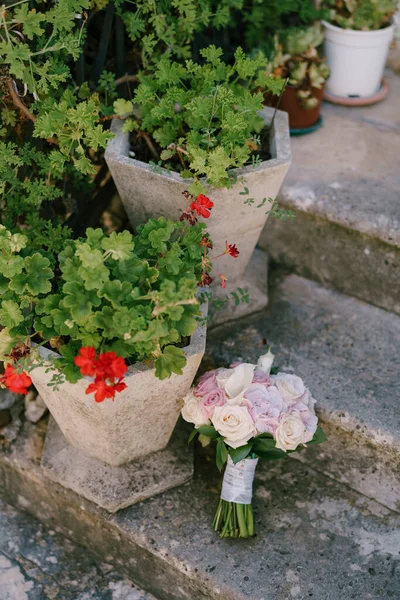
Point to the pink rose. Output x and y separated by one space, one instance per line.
207 383
210 401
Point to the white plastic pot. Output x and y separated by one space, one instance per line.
356 59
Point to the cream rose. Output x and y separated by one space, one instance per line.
234 424
290 433
290 386
192 411
239 381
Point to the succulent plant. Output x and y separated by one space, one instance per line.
296 58
365 15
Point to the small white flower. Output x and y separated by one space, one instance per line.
127 336
192 411
290 433
265 361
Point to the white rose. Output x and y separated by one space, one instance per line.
222 377
290 433
192 411
239 381
234 424
291 387
265 361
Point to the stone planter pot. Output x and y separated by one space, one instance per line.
138 422
146 194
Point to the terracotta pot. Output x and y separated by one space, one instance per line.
299 117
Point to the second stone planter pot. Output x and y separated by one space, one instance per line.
147 193
138 422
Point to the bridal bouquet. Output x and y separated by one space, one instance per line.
251 414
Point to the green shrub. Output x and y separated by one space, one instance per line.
133 295
203 117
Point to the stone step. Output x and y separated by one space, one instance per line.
37 563
344 187
316 538
347 352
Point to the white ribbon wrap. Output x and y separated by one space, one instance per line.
237 485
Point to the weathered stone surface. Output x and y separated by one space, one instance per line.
35 408
315 537
255 280
146 193
344 186
347 352
111 487
139 422
37 563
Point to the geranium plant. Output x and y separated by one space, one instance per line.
200 119
104 302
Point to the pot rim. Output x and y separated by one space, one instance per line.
197 340
118 150
359 32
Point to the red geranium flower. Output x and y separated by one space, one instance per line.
86 361
101 390
14 381
224 279
109 365
107 368
231 250
202 205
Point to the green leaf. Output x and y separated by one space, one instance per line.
38 274
263 444
191 436
238 454
209 431
119 245
272 454
10 314
122 107
221 454
172 360
11 265
319 437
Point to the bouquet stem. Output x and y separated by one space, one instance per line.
234 520
234 516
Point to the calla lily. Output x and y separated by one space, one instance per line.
239 382
265 361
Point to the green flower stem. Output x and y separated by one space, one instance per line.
250 520
234 520
241 512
